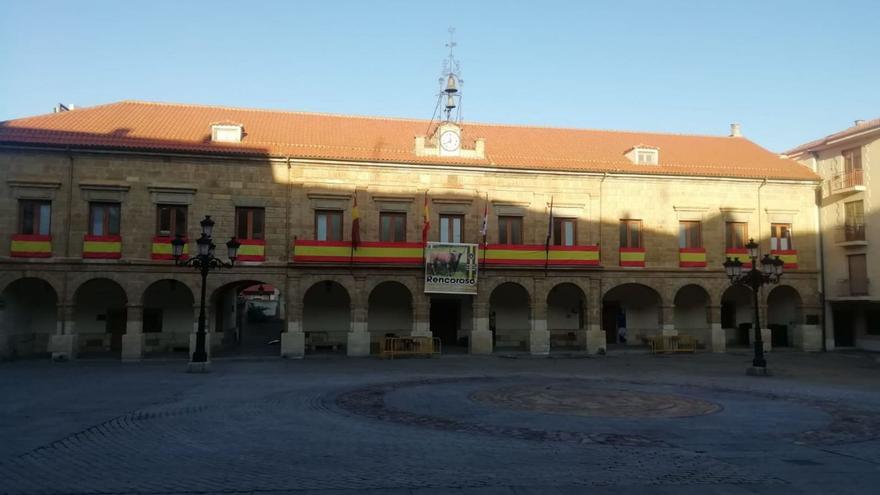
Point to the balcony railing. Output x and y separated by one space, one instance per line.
852 287
850 233
847 180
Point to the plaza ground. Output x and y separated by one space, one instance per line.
628 422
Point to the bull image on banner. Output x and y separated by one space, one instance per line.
451 268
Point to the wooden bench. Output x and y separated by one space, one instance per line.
672 343
409 346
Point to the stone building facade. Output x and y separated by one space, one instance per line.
642 225
849 213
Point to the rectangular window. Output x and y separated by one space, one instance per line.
510 230
171 220
689 235
736 235
250 223
852 160
328 225
451 228
858 275
35 217
564 231
630 233
392 227
854 223
104 219
780 236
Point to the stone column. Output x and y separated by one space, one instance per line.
809 336
717 335
596 343
668 322
539 336
133 338
421 318
63 345
293 340
829 327
358 335
480 341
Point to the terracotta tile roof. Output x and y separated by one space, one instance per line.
868 125
131 125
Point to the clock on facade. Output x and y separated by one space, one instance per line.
450 141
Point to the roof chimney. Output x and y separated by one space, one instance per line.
735 130
859 122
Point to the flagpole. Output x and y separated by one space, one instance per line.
549 235
485 227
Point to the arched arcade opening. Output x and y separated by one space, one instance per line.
631 312
326 317
510 316
100 317
169 318
248 318
566 306
28 318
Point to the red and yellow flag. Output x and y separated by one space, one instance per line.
355 223
426 219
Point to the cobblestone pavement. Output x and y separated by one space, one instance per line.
623 423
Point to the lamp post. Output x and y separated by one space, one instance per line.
204 261
769 273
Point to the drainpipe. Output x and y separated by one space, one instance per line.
601 201
69 202
763 183
821 249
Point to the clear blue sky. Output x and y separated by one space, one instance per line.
789 71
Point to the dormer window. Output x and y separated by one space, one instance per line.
644 155
226 133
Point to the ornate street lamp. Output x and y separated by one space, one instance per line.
204 261
769 273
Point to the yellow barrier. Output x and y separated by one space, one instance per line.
410 346
673 343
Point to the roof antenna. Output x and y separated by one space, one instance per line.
450 81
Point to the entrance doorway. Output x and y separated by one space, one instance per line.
445 318
610 316
844 334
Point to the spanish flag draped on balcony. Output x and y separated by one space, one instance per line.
426 221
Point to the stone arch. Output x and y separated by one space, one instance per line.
630 312
327 315
28 317
784 315
168 317
691 312
566 315
510 315
247 317
737 314
389 310
100 316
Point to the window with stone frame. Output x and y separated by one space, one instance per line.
104 219
171 220
451 228
780 237
690 234
35 217
250 223
510 230
392 226
736 235
564 231
328 225
630 233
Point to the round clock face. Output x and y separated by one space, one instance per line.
449 140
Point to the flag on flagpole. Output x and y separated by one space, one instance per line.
484 227
355 224
549 236
426 220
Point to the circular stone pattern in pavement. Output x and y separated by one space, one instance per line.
580 399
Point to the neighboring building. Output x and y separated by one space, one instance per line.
849 163
642 223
